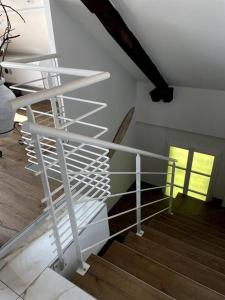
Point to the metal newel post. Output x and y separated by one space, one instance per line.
138 195
171 187
82 266
46 187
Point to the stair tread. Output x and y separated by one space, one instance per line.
201 211
196 254
202 232
177 262
106 281
212 228
188 238
158 275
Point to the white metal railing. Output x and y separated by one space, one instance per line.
59 135
74 167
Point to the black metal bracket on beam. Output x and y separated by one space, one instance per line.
162 94
117 28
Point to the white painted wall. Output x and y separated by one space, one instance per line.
158 140
194 119
195 110
78 48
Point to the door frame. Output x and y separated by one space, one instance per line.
200 149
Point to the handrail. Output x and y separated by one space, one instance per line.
74 137
58 70
73 85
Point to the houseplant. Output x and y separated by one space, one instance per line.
6 95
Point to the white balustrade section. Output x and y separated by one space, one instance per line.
74 167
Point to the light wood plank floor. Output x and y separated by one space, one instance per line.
20 190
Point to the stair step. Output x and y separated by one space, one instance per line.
196 254
202 233
106 281
177 262
188 238
158 275
199 224
201 211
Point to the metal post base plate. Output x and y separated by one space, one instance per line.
83 270
141 233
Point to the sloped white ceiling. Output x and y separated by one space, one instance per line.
184 38
76 10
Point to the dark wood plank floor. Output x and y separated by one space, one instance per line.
207 212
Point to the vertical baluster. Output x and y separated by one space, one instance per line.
46 187
82 266
171 187
138 195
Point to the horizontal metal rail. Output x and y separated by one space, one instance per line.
120 173
28 83
65 71
130 192
27 100
73 137
124 230
123 213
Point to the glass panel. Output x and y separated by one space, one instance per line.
181 155
199 183
176 190
169 176
197 196
179 177
203 163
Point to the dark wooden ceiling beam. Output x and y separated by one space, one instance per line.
115 25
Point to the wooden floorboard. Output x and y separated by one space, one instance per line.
188 238
157 275
207 228
185 249
177 262
205 212
106 281
201 233
20 190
